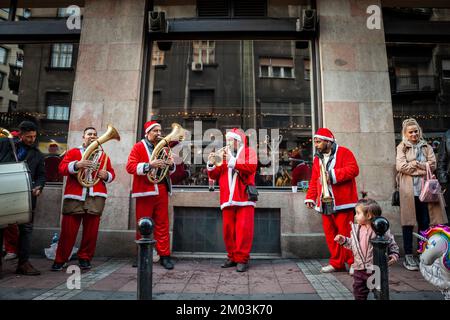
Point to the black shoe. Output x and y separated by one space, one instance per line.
57 266
84 264
242 267
228 264
135 263
166 262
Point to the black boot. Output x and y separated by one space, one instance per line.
166 262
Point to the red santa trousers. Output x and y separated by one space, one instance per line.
238 225
11 238
334 224
157 208
70 225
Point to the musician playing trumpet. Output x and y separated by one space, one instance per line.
152 199
332 192
82 204
234 167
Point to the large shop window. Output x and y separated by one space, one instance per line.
419 75
210 87
38 81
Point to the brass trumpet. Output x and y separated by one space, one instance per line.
5 133
218 156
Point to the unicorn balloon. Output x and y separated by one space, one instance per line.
434 248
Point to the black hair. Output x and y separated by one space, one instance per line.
89 128
27 126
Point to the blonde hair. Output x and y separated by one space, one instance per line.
411 122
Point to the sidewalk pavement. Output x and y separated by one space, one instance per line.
203 279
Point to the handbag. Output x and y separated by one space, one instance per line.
395 201
431 189
251 190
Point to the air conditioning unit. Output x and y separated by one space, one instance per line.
197 66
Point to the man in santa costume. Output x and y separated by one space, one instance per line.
237 170
341 170
301 171
81 204
152 200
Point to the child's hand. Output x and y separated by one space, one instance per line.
339 239
391 261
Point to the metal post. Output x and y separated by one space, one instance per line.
380 257
145 260
12 10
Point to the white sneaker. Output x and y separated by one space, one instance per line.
410 263
155 256
327 269
10 256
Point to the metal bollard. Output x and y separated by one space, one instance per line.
145 260
380 258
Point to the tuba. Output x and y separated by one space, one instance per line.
87 177
326 199
5 133
163 152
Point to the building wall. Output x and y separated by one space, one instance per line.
356 107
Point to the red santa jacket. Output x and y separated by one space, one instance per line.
74 190
232 187
139 156
300 173
343 169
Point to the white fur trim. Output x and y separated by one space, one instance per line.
210 168
71 167
99 194
174 168
146 148
323 137
238 203
110 178
151 127
333 176
77 197
145 194
232 162
234 136
140 169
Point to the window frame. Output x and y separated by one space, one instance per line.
59 57
282 68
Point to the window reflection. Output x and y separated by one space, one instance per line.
212 86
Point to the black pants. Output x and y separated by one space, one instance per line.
25 232
423 222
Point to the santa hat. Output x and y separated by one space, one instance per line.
236 134
149 125
324 134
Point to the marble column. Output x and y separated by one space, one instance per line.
356 94
106 90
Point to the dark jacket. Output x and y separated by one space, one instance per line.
443 161
34 159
